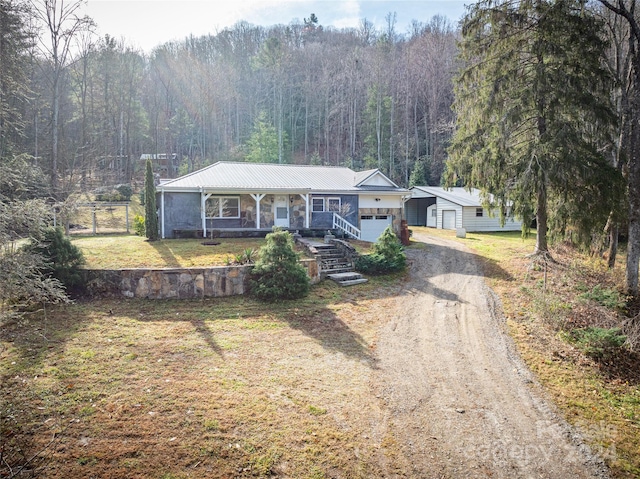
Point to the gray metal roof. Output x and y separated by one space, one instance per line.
458 196
258 177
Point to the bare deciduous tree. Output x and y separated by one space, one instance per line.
62 22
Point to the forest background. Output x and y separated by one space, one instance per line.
297 93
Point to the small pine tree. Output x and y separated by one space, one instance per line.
387 256
264 145
390 247
419 176
150 214
277 273
138 225
62 259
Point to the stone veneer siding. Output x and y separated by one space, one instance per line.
178 283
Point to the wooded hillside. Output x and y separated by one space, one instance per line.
362 98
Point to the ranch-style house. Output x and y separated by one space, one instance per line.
232 198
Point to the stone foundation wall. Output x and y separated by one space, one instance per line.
178 283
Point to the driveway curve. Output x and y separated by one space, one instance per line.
454 396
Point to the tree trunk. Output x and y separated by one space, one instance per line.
633 258
542 246
55 112
627 12
613 245
633 248
379 129
633 180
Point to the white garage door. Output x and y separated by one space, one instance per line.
449 220
372 226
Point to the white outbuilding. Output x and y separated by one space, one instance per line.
453 208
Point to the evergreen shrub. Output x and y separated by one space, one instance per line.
138 225
150 214
62 259
598 343
277 274
388 255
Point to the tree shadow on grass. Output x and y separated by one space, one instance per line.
312 318
434 260
39 334
162 248
207 335
195 312
328 330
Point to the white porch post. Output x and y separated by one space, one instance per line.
203 212
258 199
161 213
306 209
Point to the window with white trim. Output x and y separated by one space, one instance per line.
317 204
479 212
223 207
333 204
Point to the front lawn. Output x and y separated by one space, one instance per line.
130 251
214 388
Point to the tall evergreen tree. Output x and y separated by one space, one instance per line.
533 112
263 146
419 175
150 213
14 42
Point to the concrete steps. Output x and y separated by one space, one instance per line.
334 265
347 279
332 260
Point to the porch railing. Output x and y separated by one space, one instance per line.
343 225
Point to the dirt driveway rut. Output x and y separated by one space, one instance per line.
455 398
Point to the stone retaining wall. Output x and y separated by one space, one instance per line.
178 283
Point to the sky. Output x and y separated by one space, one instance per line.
147 23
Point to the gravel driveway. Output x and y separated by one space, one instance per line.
453 394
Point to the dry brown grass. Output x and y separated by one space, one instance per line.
214 388
130 251
236 388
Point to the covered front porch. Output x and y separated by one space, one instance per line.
213 233
253 214
254 211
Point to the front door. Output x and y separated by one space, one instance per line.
282 211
